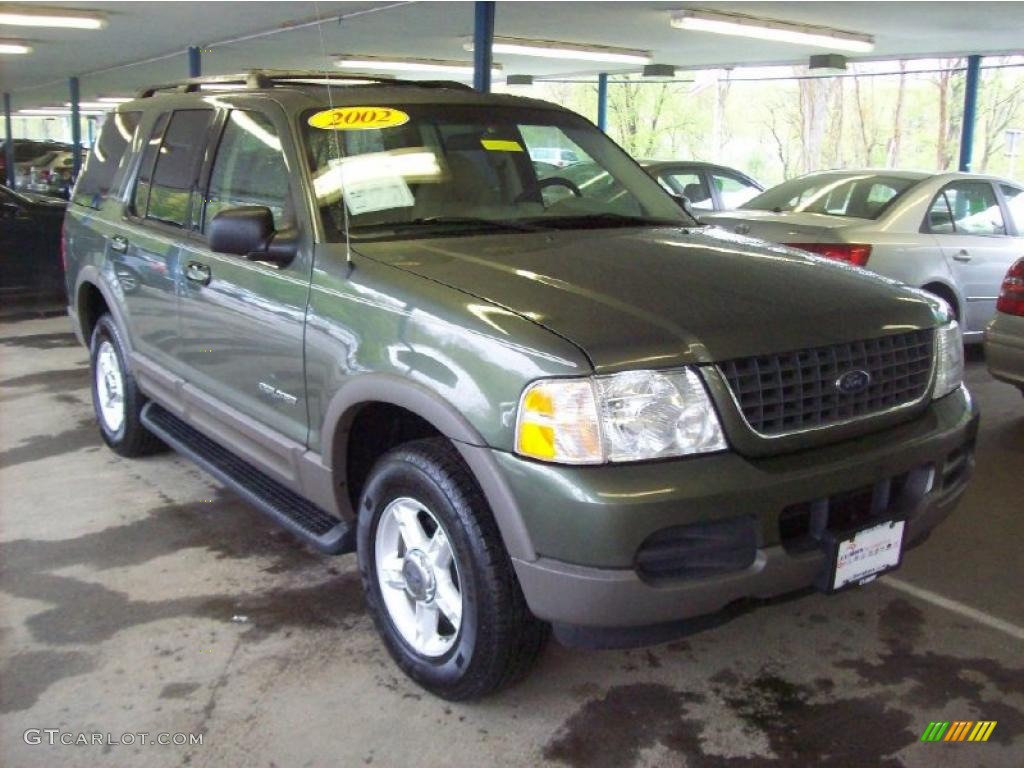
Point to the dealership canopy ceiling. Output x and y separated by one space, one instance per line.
144 43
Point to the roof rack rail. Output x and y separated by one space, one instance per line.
266 78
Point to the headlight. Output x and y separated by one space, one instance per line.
949 359
629 416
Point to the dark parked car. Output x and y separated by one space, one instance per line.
30 264
523 401
706 186
26 151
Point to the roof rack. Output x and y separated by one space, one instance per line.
256 79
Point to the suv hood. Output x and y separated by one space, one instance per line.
662 297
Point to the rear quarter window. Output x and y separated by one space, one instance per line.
102 163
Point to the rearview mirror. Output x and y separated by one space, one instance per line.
249 231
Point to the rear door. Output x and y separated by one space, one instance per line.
242 321
145 251
970 225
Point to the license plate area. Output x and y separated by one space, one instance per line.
856 557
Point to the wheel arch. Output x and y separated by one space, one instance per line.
392 390
948 291
92 297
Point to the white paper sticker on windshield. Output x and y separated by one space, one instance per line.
373 183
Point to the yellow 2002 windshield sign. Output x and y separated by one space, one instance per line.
358 118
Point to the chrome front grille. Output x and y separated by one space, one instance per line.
797 391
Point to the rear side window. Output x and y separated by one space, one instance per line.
1015 202
735 192
691 186
177 163
966 208
101 166
250 169
140 198
176 166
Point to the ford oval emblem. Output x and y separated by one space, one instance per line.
853 382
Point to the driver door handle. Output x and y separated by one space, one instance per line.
962 256
198 273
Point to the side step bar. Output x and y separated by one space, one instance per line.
322 530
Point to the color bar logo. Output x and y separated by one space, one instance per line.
959 730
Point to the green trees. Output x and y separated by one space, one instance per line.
779 122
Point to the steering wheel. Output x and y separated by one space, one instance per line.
542 184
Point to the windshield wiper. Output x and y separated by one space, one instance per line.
607 219
426 222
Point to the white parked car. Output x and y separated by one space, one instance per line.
953 234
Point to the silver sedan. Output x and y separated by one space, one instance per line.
953 234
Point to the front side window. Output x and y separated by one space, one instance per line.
250 169
105 157
972 209
441 169
176 165
864 196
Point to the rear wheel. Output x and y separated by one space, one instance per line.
438 581
116 397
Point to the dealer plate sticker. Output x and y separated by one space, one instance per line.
868 553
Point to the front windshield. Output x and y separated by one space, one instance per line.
863 196
441 169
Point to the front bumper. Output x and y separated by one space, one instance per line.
1004 349
587 524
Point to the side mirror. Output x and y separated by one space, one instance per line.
249 231
10 210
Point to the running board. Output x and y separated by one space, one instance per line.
288 509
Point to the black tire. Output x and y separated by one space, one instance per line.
499 639
131 439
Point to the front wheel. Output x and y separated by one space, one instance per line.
438 581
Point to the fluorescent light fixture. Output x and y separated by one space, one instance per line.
92 105
115 99
55 112
549 49
383 63
767 29
34 16
14 47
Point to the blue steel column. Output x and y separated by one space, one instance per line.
483 41
9 143
195 61
602 101
970 111
76 128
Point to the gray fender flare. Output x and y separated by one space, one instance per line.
446 419
90 274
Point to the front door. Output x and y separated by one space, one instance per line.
977 245
242 321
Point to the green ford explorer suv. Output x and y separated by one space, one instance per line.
525 402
